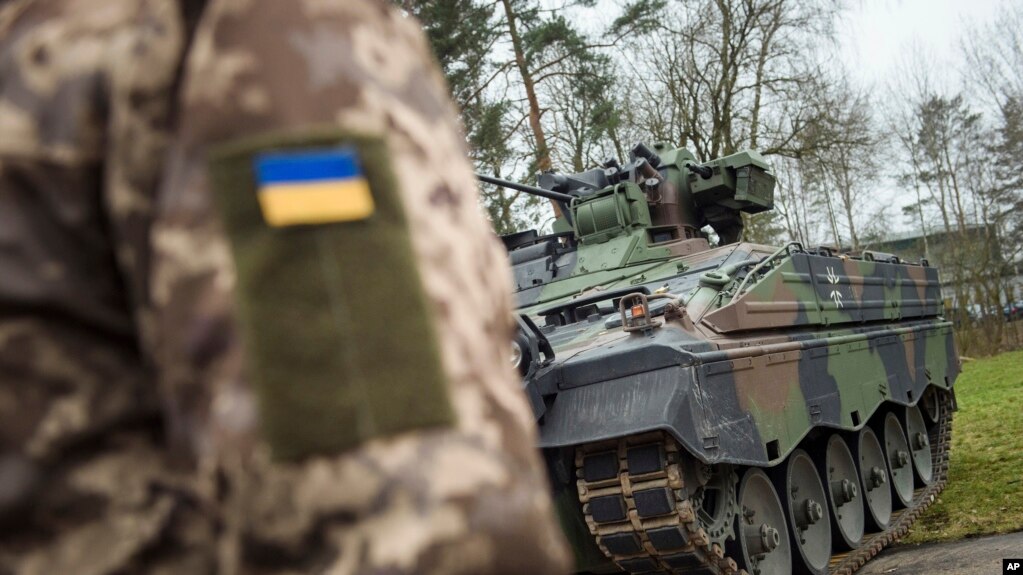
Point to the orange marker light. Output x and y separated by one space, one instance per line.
637 311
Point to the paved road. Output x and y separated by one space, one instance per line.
980 556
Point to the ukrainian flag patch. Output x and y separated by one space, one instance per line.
312 187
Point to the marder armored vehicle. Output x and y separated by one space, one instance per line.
728 409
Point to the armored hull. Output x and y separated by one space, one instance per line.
736 408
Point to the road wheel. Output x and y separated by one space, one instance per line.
805 502
762 543
873 480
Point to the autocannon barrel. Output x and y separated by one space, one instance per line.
551 195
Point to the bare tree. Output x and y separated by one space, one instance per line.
728 74
994 58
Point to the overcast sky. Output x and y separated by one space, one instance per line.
875 34
876 37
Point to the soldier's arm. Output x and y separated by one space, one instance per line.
373 380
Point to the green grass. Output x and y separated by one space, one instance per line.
984 494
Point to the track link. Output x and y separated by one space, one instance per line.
637 506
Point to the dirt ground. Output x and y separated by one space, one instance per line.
980 556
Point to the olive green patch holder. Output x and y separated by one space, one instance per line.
339 338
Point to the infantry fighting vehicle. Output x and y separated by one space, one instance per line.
731 408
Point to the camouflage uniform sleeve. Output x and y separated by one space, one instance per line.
86 91
467 498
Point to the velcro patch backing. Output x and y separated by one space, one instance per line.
340 342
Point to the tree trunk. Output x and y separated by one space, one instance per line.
754 125
848 202
543 156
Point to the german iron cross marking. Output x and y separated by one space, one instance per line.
833 280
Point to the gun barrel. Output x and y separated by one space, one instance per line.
551 195
703 171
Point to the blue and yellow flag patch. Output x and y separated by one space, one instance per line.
312 187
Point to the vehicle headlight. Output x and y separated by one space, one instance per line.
516 354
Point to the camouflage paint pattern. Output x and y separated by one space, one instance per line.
780 359
760 348
127 418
